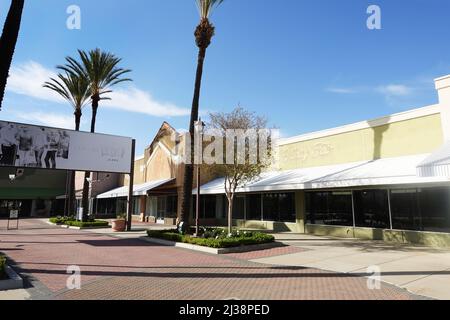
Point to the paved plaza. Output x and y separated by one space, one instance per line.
125 267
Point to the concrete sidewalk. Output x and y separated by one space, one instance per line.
420 270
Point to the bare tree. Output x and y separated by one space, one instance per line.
242 131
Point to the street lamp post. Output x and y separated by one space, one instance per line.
199 125
88 212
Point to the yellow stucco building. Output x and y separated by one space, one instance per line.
385 179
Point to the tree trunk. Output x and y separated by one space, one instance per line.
72 174
87 174
186 203
8 42
230 213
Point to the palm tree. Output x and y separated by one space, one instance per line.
102 72
75 89
203 35
8 42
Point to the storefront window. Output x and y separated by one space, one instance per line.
239 207
405 210
152 207
279 207
253 207
209 207
329 208
136 206
122 205
434 206
172 207
372 209
106 207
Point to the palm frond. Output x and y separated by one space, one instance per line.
101 68
205 7
72 87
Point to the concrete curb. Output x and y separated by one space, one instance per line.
13 282
220 251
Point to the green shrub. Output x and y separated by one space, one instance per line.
2 266
92 224
72 222
61 220
169 235
218 239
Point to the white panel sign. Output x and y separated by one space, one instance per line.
14 214
25 146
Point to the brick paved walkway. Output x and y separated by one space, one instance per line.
115 268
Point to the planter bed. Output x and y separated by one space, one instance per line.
246 242
9 279
73 224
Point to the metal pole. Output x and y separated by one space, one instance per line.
391 225
130 187
353 213
197 209
67 198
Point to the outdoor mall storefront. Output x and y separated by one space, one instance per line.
376 200
382 179
34 192
154 201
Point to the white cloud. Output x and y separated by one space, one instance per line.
397 90
342 90
389 91
27 79
47 119
139 101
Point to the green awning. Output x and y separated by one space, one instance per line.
30 193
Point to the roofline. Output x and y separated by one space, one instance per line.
397 117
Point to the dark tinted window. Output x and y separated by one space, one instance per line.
372 209
329 208
209 207
253 207
279 207
434 206
405 210
239 207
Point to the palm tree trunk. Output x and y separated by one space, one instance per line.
72 196
87 174
8 42
186 203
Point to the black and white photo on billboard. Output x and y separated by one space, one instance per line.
31 146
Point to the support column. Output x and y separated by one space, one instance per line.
300 209
131 187
443 88
143 207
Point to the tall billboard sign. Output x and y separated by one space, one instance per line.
30 146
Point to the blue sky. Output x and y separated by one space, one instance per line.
306 65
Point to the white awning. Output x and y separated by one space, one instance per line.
138 190
383 172
436 165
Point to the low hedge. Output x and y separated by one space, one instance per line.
74 223
2 267
250 238
91 224
60 220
